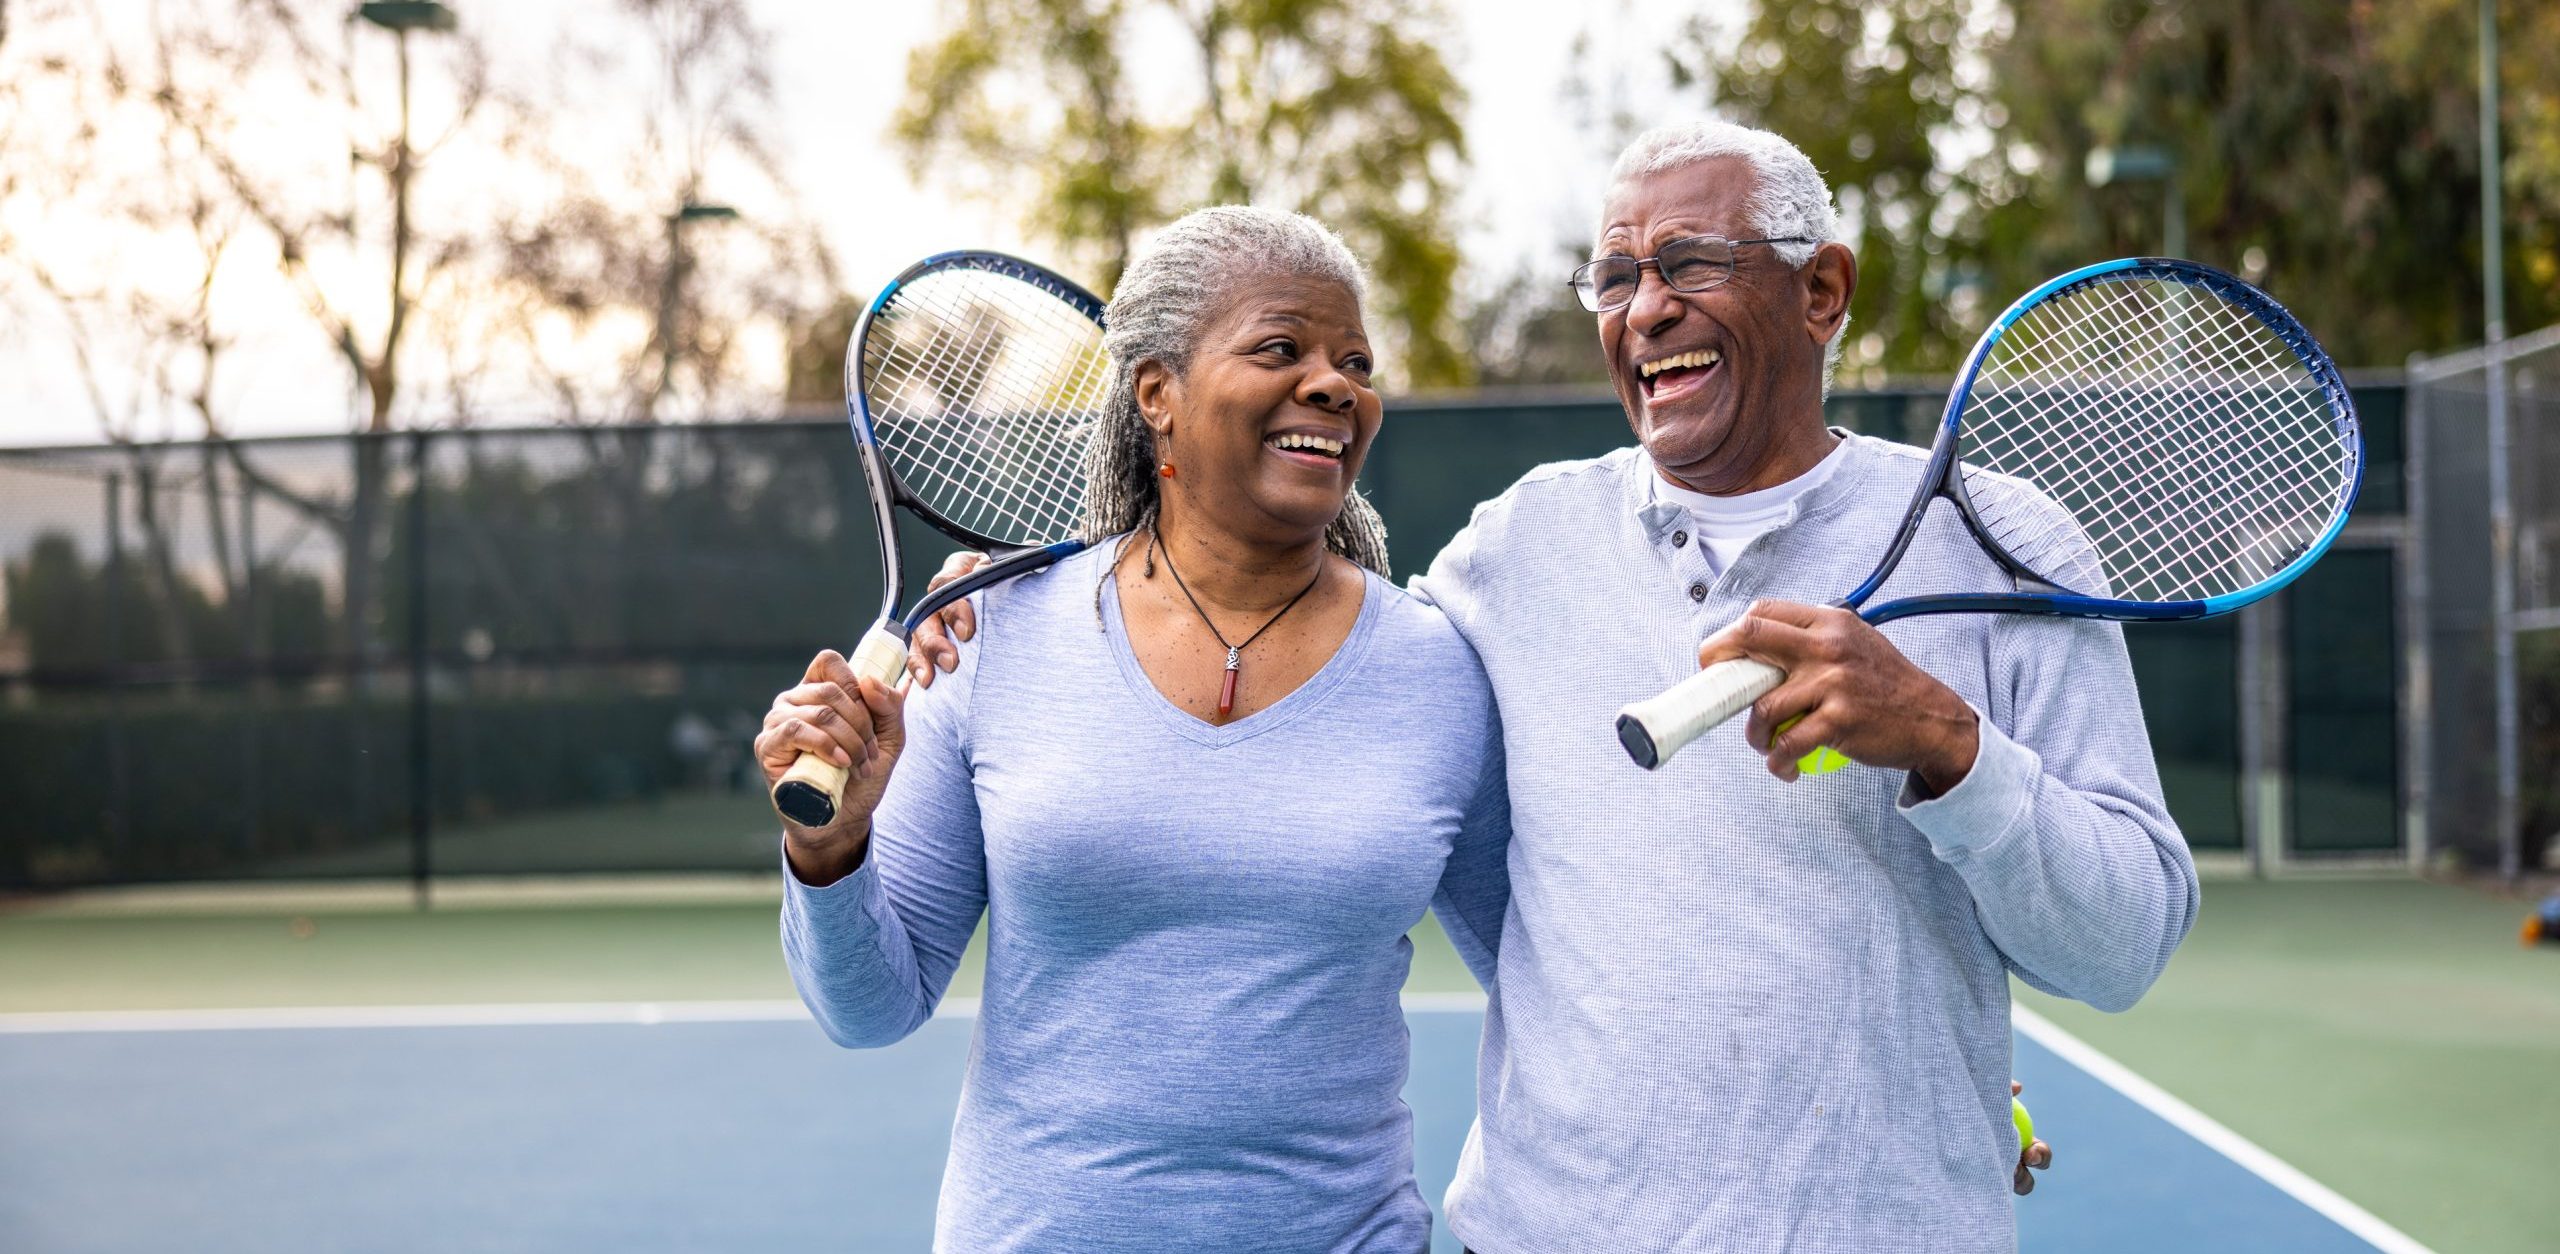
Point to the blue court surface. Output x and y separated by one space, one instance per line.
737 1126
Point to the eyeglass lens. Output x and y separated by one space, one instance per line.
1689 265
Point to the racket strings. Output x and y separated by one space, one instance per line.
2187 430
988 462
2192 445
966 457
971 472
2257 470
2177 558
983 392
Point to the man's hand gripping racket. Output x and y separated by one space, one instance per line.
2135 440
972 384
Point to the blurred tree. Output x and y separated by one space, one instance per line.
192 70
1531 332
191 165
2329 152
145 354
1344 111
76 616
1527 329
630 252
818 345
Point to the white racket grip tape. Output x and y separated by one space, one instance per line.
810 791
1655 728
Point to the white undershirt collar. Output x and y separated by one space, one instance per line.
1748 511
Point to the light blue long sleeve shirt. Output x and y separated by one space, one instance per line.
1738 1014
1190 1037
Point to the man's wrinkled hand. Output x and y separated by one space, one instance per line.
2037 1155
1854 691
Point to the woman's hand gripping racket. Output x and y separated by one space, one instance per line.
972 382
2139 439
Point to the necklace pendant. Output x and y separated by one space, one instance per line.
1227 685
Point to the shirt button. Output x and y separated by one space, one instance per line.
1697 592
1679 538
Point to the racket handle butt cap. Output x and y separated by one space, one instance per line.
807 794
1654 729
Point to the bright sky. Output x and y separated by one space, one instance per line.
839 71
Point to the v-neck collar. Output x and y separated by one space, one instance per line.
1345 659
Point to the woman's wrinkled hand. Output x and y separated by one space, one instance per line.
934 646
857 724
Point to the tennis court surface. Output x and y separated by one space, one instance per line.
334 1075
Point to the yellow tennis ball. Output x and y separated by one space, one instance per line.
1823 760
2026 1124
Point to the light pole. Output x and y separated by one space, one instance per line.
2502 520
671 291
403 16
2145 165
400 17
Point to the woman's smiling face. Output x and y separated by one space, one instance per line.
1268 425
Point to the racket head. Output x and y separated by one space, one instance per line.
974 382
2147 438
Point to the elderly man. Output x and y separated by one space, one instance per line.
1736 1010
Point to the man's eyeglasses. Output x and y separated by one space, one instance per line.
1688 265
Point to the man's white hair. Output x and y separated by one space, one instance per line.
1788 197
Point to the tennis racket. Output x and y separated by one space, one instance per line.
973 383
2139 439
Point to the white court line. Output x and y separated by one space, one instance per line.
517 1014
2195 1123
1444 1003
504 1014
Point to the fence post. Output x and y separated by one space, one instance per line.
2502 527
421 811
119 764
2502 613
256 682
2418 699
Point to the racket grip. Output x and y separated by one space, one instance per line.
809 793
1654 729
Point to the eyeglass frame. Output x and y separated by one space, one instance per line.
1589 302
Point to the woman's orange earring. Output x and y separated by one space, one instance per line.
1166 470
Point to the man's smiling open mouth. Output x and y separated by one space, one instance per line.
1678 374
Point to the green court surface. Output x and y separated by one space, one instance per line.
2389 1038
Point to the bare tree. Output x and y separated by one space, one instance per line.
192 69
642 254
139 351
196 60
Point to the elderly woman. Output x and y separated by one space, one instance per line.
1197 876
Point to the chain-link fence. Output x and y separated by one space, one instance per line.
545 651
298 657
2490 593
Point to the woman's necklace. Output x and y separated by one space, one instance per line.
1235 652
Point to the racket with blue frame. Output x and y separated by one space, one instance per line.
2136 440
973 384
